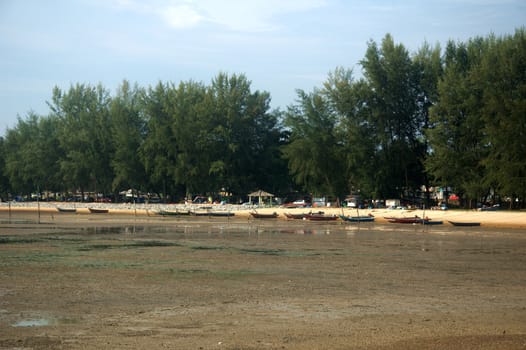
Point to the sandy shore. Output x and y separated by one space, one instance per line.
501 218
113 281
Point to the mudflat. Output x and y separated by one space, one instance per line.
123 282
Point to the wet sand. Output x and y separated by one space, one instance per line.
121 281
497 219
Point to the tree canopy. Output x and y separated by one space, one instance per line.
454 119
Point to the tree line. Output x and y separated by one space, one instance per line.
453 118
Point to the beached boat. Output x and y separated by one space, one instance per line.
173 212
221 213
414 220
256 215
320 217
360 218
98 210
67 210
431 222
296 216
212 213
460 223
410 220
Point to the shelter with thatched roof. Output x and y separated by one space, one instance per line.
260 194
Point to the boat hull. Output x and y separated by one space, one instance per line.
98 210
318 217
67 210
357 218
264 216
465 224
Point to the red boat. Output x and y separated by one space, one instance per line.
412 220
320 217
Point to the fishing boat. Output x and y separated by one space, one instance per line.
212 213
173 212
296 216
98 210
67 210
320 217
257 215
411 220
221 213
431 222
460 223
200 213
359 218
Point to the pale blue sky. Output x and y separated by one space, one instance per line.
281 45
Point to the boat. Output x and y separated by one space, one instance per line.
410 220
360 218
67 210
256 215
211 213
431 222
173 212
460 223
415 220
320 217
199 213
221 213
98 210
296 216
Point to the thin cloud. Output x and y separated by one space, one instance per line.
235 15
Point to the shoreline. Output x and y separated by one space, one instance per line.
495 219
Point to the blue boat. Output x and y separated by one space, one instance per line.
362 218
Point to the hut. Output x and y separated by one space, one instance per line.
260 194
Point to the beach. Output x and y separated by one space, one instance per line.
133 279
497 218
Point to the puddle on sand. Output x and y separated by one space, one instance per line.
38 322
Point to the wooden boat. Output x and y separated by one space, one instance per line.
98 210
411 220
212 213
173 212
256 215
67 210
460 223
432 222
320 217
360 218
296 216
221 213
199 213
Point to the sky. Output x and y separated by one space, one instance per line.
280 45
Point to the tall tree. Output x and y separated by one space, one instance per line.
188 125
158 151
314 152
128 133
395 91
502 74
32 154
84 136
349 99
456 132
239 122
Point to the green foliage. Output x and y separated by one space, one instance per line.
453 119
314 152
84 136
127 135
32 154
502 74
478 124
